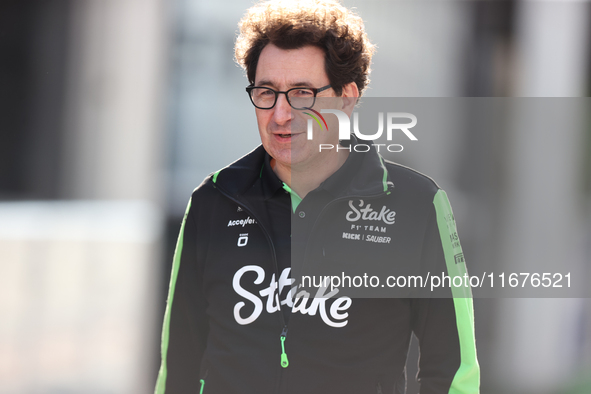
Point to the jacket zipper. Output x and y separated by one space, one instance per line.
284 362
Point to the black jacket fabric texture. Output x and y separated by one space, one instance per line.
224 331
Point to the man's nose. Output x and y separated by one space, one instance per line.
282 109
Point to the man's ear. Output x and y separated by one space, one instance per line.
350 95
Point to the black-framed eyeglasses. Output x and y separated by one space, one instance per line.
298 98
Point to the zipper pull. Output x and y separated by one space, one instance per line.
284 361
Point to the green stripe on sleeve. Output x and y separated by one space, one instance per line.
467 378
385 177
161 382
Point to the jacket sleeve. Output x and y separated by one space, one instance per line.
444 326
185 327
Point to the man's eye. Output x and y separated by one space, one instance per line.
303 93
266 93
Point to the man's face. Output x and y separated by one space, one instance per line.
283 130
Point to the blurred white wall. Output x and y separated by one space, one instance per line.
78 277
77 300
116 100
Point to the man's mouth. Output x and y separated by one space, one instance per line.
286 137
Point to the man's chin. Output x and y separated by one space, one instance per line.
302 160
295 156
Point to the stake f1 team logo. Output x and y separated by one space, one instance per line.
345 129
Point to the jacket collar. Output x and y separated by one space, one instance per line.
364 174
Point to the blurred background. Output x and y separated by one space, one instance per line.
113 111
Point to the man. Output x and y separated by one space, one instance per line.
236 319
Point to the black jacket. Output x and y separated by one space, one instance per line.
224 331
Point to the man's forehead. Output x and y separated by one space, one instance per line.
290 67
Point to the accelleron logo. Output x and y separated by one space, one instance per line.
241 222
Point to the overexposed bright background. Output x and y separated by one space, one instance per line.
113 111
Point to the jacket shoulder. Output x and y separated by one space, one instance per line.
205 189
234 178
407 178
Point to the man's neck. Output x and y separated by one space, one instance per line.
303 179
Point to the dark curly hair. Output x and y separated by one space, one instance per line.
294 24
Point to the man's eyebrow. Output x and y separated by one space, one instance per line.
266 82
302 83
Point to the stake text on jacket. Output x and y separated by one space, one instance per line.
335 316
